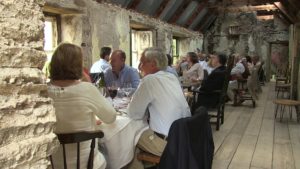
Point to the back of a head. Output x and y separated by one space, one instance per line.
66 62
193 56
157 55
237 57
222 58
104 52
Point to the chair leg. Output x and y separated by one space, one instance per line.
222 114
218 120
291 112
281 113
277 106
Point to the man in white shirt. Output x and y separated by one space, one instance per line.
236 72
160 95
101 64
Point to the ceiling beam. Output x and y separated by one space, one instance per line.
290 17
237 9
265 17
134 4
179 11
295 4
195 14
161 8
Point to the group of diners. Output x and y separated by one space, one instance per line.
158 98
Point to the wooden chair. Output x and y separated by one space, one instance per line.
216 112
71 138
282 78
282 89
242 93
282 103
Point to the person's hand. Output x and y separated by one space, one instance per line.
194 79
98 122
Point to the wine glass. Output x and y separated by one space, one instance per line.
113 89
127 88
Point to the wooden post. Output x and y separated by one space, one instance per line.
294 56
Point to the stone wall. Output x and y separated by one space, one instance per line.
102 24
27 116
253 37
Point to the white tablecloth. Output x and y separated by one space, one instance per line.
120 139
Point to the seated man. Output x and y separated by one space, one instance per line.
236 73
170 69
120 72
101 64
214 81
160 95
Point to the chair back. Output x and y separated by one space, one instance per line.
71 138
205 74
230 63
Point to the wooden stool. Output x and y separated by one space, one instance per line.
283 88
282 103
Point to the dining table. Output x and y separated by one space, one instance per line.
121 136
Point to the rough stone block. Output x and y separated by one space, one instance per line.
18 57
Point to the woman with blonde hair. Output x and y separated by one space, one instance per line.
76 103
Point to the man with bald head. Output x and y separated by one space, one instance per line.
119 72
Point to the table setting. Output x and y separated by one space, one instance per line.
120 137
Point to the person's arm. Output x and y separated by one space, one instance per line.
140 101
108 77
135 78
103 108
200 73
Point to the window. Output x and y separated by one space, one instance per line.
140 40
175 47
51 38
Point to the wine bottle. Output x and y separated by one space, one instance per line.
102 84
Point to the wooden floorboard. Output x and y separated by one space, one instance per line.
251 138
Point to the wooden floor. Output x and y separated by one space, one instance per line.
251 138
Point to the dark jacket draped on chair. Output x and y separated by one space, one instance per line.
190 143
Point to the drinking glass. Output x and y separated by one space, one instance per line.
113 89
127 88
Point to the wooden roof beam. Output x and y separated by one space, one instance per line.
134 4
237 9
161 8
290 17
198 10
179 11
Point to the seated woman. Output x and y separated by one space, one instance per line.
214 81
77 104
195 71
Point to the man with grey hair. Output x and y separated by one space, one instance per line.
160 96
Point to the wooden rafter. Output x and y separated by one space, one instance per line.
203 22
180 10
237 9
195 14
134 4
294 3
161 8
289 16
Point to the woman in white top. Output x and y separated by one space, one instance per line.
76 105
195 70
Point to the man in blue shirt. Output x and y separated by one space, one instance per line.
119 72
